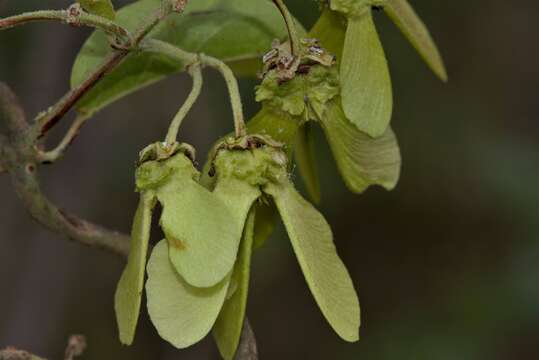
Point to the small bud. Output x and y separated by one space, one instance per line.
74 12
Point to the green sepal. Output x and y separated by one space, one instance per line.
102 8
278 125
407 20
228 327
152 174
324 271
198 225
129 290
361 160
304 96
365 81
255 167
240 176
181 313
306 161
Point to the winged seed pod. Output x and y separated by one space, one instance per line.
202 235
314 95
252 169
365 80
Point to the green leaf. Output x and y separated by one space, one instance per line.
181 313
406 19
366 84
305 159
102 8
265 221
229 324
207 26
324 271
200 228
129 291
362 160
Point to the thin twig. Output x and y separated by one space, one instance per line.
247 349
75 347
4 147
47 119
73 16
58 151
11 114
26 183
20 159
11 353
174 128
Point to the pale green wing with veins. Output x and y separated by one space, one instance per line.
129 291
228 327
182 314
266 168
202 232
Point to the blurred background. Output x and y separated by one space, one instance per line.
447 265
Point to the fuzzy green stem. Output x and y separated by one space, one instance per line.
290 26
65 16
174 128
161 47
233 90
187 58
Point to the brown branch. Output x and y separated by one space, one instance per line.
11 114
4 148
75 347
20 158
24 179
45 121
247 349
56 153
11 353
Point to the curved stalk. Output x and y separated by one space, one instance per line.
290 26
58 151
233 91
174 128
188 58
